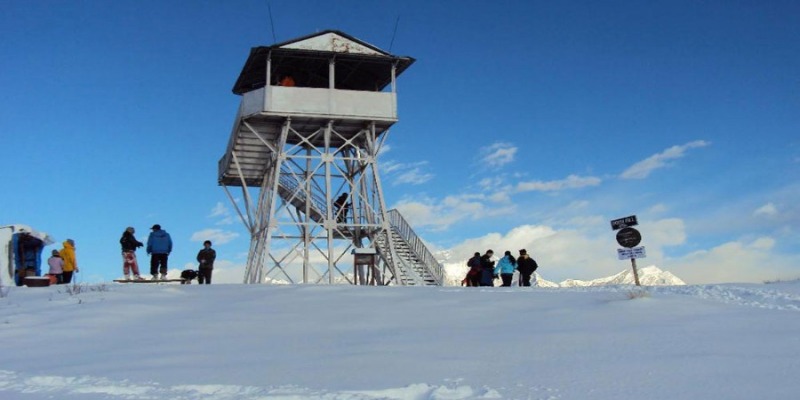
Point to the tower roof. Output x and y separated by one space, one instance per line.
359 65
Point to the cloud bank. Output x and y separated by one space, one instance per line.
642 169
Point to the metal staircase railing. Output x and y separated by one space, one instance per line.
412 250
289 188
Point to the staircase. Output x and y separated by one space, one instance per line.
288 187
411 260
414 263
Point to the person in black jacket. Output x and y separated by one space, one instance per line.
206 258
487 269
526 267
129 245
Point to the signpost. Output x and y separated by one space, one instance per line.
636 252
629 238
624 222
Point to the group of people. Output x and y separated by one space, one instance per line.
483 271
62 263
159 246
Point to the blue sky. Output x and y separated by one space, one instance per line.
522 124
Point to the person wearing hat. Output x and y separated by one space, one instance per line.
159 245
206 258
70 263
526 266
129 245
56 267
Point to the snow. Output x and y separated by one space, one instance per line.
220 342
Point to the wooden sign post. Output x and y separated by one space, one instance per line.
629 238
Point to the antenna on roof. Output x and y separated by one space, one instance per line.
396 22
271 23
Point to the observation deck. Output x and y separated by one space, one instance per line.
339 81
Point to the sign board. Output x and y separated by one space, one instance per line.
364 256
627 254
629 237
624 222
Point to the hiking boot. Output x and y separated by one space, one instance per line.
163 277
126 277
137 278
154 278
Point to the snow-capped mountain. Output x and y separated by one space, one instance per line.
648 276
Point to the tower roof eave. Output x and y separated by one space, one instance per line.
371 63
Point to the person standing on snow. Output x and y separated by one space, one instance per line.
159 245
505 267
129 245
70 263
206 258
56 264
487 268
474 273
526 266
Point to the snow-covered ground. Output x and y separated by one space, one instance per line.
220 342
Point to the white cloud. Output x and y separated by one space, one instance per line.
643 168
223 212
441 214
490 184
216 236
500 196
736 261
390 166
499 154
225 221
219 210
414 177
586 221
570 182
406 173
768 209
659 208
665 232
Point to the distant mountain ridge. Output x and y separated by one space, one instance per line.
648 276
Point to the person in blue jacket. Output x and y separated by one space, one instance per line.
159 245
505 267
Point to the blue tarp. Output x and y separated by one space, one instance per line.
27 255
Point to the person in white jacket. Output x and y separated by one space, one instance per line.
56 264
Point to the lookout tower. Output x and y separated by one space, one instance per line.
314 114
